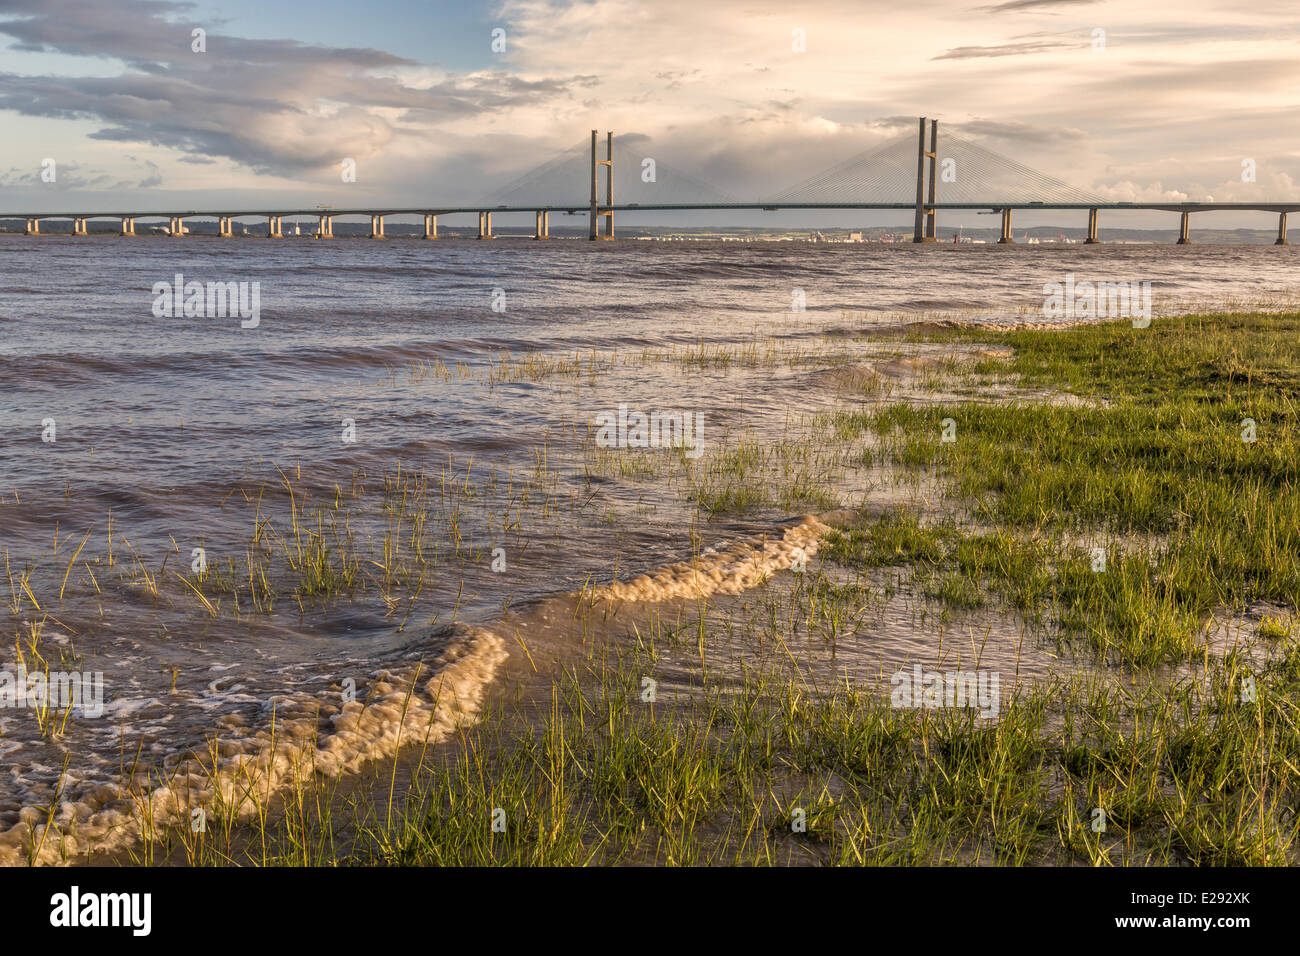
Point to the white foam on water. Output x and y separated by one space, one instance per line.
416 701
737 568
413 702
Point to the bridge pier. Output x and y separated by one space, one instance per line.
325 227
1184 229
224 229
79 226
485 225
376 227
128 226
274 228
1092 227
1281 230
430 226
1006 237
176 226
543 230
33 227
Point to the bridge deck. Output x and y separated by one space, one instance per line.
582 209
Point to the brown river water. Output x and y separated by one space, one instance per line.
296 538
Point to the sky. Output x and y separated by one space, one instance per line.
444 103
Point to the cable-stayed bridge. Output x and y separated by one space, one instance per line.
916 172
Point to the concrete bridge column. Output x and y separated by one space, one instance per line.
430 226
1184 229
543 230
1006 236
128 225
177 225
376 227
1281 230
924 230
33 227
607 211
225 228
325 227
1092 227
485 225
79 226
274 228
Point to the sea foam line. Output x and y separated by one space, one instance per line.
421 701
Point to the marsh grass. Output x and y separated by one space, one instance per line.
1274 628
771 767
1157 450
777 772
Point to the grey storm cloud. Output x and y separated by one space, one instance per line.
274 105
1022 48
1036 6
151 33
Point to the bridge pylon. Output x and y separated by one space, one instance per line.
925 226
597 211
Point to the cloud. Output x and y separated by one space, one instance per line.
1056 137
716 90
276 106
76 177
1008 49
1036 6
